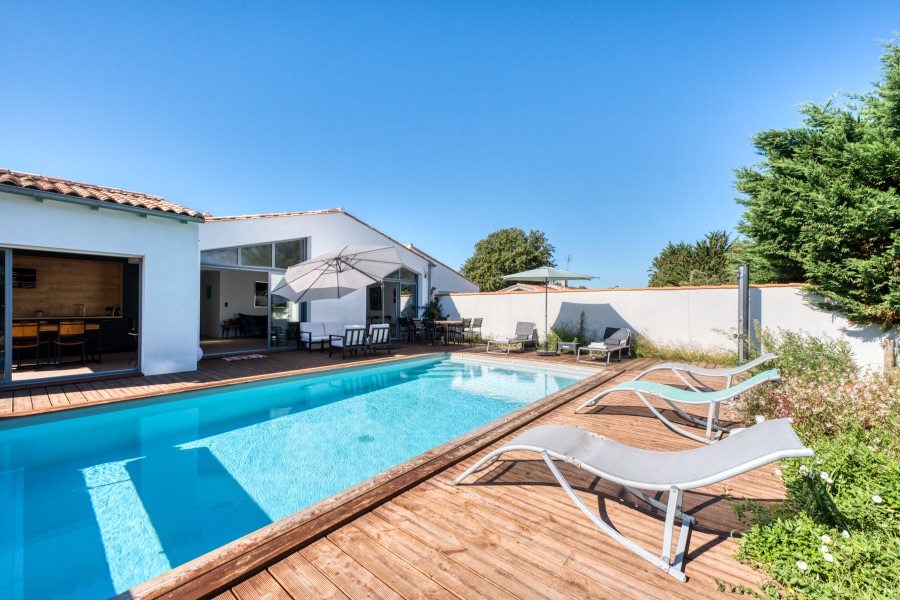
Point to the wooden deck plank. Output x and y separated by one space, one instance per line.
73 394
260 587
303 580
560 540
57 396
6 402
22 401
450 575
440 537
89 392
40 399
402 577
346 574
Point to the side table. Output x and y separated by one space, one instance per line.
570 346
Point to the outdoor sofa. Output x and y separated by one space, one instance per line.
318 332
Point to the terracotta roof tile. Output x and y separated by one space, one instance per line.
94 192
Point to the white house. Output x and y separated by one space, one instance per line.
241 258
130 266
124 261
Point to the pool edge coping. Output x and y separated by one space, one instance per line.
224 567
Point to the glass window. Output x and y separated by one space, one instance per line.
222 256
408 300
402 273
288 253
257 256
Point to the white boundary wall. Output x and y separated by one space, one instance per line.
702 317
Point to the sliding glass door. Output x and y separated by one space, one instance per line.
5 314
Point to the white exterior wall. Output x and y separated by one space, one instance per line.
170 271
698 317
328 231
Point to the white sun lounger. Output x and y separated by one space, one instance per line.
672 472
671 395
681 369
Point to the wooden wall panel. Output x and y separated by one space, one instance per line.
62 283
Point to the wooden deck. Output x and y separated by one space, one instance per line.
509 533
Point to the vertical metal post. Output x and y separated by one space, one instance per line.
743 274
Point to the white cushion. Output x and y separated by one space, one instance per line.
313 327
332 328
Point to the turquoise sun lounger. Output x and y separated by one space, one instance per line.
682 369
671 395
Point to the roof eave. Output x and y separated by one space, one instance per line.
96 204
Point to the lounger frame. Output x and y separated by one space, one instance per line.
682 369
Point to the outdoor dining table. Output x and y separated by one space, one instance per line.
447 323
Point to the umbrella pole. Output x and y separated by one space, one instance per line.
546 350
546 328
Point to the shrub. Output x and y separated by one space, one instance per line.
568 331
647 348
821 388
837 535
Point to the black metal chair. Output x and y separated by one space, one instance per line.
353 340
418 330
379 338
476 324
405 328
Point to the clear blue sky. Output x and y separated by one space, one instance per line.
614 127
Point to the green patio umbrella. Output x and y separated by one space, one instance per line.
545 275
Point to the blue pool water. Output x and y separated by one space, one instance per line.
95 503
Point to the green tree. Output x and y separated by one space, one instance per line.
822 208
705 262
504 252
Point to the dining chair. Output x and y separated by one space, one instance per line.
476 324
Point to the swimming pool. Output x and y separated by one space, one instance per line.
93 504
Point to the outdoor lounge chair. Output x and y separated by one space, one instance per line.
673 394
525 336
379 337
692 372
636 470
353 340
615 339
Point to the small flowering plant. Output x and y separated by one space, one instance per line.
840 525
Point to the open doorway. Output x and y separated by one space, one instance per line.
68 315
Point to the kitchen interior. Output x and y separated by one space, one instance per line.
79 303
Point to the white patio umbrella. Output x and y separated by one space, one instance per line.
545 275
335 274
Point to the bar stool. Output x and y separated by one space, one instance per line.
24 336
97 346
71 333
